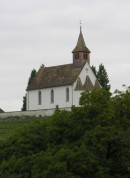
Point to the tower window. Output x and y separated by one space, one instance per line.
85 56
67 94
52 96
39 97
76 56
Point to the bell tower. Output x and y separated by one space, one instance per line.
81 54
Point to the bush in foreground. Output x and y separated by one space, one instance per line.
90 141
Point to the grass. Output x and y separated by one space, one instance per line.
9 126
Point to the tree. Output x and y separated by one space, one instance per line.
94 70
90 141
24 103
103 77
32 75
95 102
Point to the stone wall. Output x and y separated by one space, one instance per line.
37 113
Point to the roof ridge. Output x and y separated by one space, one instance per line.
59 65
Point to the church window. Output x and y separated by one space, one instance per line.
67 94
85 56
76 56
39 97
52 96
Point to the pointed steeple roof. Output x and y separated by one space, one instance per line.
81 47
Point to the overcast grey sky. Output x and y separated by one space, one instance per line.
35 32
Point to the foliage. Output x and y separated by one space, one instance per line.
95 102
90 141
32 75
24 103
94 70
102 76
10 125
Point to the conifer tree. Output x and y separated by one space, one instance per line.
24 103
33 73
103 77
94 70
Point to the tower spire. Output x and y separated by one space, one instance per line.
81 52
80 25
81 46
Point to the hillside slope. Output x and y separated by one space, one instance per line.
90 141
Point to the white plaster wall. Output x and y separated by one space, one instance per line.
59 93
87 71
23 114
76 97
59 98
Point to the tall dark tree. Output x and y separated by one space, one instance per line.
103 77
94 70
32 75
24 103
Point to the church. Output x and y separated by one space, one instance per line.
61 86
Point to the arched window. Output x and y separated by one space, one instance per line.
52 96
67 94
39 97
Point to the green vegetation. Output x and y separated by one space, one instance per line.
11 125
32 75
102 76
92 141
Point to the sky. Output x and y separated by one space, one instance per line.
36 32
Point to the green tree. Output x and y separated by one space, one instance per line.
24 103
32 75
103 77
94 70
95 102
90 141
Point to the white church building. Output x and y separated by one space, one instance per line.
61 86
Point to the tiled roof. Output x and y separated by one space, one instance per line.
79 85
55 76
88 86
97 84
1 111
81 47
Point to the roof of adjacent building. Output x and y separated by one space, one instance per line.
1 111
81 46
55 76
